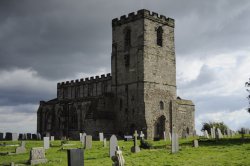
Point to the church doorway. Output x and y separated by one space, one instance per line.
159 127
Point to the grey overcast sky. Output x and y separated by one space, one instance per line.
44 42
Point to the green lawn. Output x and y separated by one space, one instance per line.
228 151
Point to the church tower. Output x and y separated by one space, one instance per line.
143 72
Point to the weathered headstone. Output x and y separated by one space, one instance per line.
52 138
75 157
196 144
37 156
46 142
112 145
1 136
88 142
21 149
142 135
135 148
80 136
83 138
212 132
219 133
118 158
175 143
128 138
164 136
104 142
29 137
101 136
206 134
14 136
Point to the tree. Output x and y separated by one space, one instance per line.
209 125
247 84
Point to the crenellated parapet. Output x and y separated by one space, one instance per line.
87 80
85 87
143 14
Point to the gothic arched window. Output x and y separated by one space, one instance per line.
159 36
161 105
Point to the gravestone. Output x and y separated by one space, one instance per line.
101 136
34 136
46 142
175 143
104 142
206 134
142 135
14 136
219 133
170 137
29 136
118 158
83 138
128 138
75 157
21 149
1 136
39 136
88 142
37 156
195 143
80 136
52 138
212 132
164 136
135 148
112 145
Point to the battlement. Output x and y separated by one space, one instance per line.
143 13
85 80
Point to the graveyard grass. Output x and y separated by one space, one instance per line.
227 151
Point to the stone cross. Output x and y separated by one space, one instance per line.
175 143
118 159
112 145
142 135
135 148
75 157
37 156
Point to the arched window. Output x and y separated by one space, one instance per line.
159 36
127 38
161 105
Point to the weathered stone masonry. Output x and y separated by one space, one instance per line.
140 94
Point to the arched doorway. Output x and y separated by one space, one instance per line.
159 127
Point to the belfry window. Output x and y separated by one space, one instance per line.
159 32
127 38
161 105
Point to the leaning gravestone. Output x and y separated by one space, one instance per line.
196 144
88 142
21 149
101 136
1 136
175 143
135 148
219 133
112 145
118 159
37 156
75 157
46 142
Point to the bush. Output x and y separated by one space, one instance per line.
146 144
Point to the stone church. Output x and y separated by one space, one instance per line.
139 94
